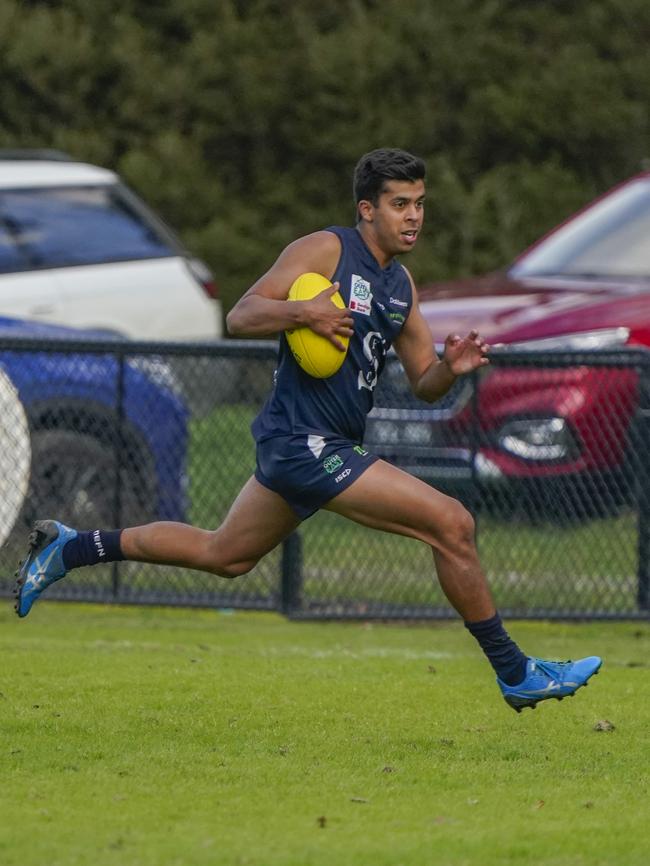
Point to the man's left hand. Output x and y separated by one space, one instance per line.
462 355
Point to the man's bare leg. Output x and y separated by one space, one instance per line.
386 498
257 521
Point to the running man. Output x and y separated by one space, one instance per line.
309 424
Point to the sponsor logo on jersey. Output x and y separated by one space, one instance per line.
397 303
360 295
400 318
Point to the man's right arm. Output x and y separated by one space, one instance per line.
264 309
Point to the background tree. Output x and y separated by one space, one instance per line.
241 121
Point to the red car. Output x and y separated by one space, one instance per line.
546 432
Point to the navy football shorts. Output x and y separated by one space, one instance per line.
309 470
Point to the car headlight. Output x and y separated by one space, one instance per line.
603 338
538 439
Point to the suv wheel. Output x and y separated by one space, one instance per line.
73 480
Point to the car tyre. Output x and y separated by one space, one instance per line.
73 479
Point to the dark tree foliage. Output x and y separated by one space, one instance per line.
241 120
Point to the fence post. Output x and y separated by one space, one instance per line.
291 585
643 488
118 456
473 500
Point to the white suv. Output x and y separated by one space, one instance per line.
78 248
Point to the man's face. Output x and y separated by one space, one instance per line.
396 219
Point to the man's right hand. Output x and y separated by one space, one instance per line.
264 309
326 319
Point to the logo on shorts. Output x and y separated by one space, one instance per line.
332 463
316 444
360 450
398 303
360 295
343 475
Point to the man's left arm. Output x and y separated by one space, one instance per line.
430 376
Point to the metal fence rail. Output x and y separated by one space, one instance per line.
550 451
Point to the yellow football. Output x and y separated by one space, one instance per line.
315 354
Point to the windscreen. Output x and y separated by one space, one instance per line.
611 239
59 227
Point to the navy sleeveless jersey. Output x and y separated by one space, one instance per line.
380 300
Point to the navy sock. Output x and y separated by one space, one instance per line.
89 548
502 652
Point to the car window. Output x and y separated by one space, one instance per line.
43 228
11 258
609 239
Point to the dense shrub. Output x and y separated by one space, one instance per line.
241 121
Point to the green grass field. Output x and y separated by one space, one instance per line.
158 737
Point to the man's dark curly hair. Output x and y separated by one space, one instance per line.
378 166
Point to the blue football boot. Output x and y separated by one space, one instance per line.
546 680
43 564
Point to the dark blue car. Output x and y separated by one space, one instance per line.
95 436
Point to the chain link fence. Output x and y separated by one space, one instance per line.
548 450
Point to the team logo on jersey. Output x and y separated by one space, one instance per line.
360 295
374 351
